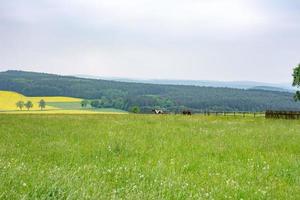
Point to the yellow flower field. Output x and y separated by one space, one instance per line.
9 99
57 111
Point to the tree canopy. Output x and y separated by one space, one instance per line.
296 81
28 105
20 104
42 104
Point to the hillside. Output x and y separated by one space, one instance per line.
123 95
287 87
8 101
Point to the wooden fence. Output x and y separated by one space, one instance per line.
282 114
269 114
243 114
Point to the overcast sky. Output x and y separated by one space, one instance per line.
256 40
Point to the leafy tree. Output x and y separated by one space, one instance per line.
135 109
42 104
84 103
106 102
28 105
296 81
95 103
20 104
118 103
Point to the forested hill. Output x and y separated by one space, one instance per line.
123 95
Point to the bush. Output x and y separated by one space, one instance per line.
135 109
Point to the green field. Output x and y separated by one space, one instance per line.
148 157
68 105
77 106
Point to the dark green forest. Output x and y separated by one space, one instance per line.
122 95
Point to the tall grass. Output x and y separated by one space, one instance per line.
148 157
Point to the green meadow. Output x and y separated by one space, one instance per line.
148 157
77 106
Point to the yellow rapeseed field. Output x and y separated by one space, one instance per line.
56 112
9 99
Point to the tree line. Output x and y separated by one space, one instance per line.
171 98
106 103
28 105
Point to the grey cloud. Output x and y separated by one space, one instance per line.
151 39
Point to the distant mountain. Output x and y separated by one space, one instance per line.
168 96
204 83
268 88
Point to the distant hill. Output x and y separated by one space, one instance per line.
204 83
268 88
125 95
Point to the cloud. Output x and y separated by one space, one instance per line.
191 39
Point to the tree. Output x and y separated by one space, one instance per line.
84 103
135 109
296 81
95 103
20 104
42 104
118 103
28 105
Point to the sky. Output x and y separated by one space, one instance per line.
225 40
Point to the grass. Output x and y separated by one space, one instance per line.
77 106
148 157
68 105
